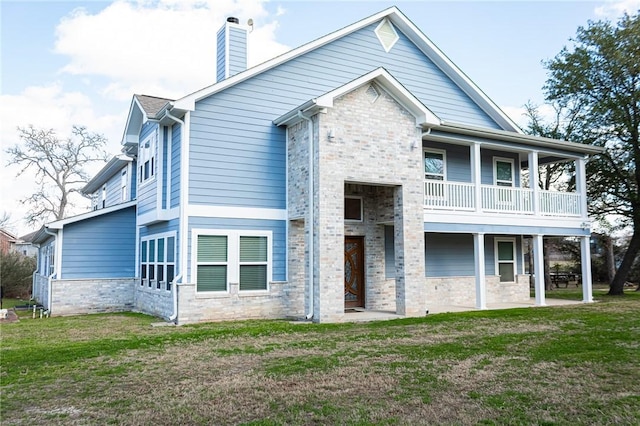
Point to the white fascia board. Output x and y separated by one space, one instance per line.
59 224
452 71
472 218
188 102
230 212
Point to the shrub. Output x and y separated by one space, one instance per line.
16 271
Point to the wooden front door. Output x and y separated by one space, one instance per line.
354 272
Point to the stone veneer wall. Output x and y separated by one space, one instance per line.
153 301
92 295
193 308
461 291
372 145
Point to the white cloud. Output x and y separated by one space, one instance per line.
164 49
614 9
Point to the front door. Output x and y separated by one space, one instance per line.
354 272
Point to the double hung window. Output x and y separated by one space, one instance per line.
147 157
232 257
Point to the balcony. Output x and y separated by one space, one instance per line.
457 196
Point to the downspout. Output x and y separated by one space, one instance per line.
50 277
311 216
183 210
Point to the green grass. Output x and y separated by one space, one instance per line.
557 365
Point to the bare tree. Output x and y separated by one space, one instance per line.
59 166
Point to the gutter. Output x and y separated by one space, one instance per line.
183 216
311 214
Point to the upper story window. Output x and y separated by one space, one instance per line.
435 164
123 184
503 172
104 197
147 157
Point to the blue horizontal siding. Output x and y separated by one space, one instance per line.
100 247
164 172
176 142
277 227
220 54
449 255
237 50
232 131
458 160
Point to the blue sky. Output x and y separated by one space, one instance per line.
79 62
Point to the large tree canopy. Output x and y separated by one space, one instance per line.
598 81
58 166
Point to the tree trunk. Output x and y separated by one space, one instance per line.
617 285
609 257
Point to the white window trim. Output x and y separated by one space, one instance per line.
444 162
150 154
382 42
124 193
356 197
233 258
497 260
495 171
164 263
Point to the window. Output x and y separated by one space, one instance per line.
223 257
147 156
157 261
253 263
387 34
503 172
353 209
434 165
104 196
506 259
212 263
123 184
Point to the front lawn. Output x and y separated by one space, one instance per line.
557 365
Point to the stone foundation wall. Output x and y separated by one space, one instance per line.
89 296
194 308
461 291
153 301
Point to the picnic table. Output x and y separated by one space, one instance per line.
566 278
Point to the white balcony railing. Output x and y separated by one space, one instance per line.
449 195
499 199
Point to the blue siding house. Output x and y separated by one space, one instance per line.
363 170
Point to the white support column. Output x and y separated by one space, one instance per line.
533 181
478 256
581 185
476 175
538 266
585 260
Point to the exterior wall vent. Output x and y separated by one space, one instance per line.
387 34
372 93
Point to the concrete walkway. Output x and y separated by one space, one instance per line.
363 315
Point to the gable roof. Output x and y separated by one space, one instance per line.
423 115
401 22
142 109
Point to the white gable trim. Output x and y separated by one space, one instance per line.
59 224
400 22
384 80
135 119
